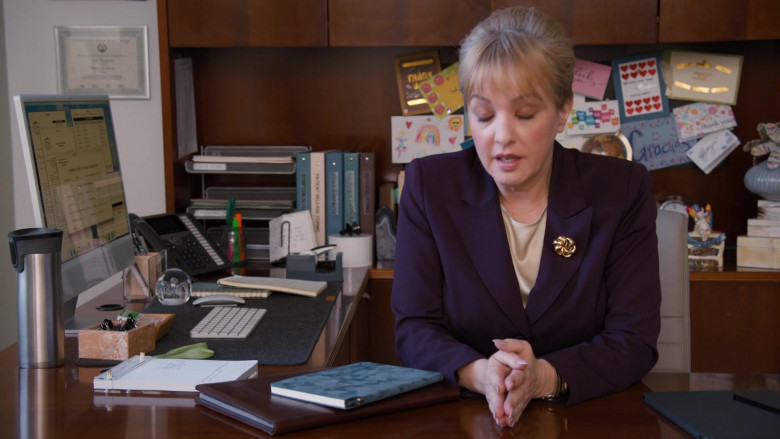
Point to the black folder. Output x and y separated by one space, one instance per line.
719 414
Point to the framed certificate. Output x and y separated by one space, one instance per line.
705 77
103 60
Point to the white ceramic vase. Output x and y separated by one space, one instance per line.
763 181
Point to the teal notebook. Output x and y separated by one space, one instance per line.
354 385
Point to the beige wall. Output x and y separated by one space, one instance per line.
7 274
28 65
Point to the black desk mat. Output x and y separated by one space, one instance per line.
286 335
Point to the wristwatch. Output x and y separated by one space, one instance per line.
561 391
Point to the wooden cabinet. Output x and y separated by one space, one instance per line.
600 22
718 20
446 22
239 23
402 22
734 321
382 321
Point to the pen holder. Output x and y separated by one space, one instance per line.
140 278
233 244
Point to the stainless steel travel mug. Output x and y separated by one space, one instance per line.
35 254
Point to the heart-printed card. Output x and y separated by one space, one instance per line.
639 87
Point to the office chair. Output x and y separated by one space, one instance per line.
674 347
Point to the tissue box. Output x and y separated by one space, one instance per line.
97 343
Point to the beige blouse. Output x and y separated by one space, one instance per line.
525 244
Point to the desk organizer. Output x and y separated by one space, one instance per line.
162 323
101 344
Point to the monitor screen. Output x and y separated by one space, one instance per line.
72 165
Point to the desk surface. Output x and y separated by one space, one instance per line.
60 402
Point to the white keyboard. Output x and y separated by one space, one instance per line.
228 322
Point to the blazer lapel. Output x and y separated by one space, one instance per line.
568 216
480 227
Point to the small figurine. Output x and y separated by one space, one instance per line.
705 245
703 221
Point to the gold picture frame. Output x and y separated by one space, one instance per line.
411 71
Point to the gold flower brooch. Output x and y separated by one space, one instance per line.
564 246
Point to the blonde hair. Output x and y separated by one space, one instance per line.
518 47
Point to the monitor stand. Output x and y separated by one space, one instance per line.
87 314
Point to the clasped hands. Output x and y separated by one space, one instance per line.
509 379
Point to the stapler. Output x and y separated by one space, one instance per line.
309 266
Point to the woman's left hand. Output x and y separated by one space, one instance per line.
524 382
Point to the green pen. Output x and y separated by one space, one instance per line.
230 211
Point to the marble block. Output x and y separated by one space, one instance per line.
97 343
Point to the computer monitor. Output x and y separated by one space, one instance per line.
72 165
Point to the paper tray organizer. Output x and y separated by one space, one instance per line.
195 167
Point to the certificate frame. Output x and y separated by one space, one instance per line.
110 60
704 77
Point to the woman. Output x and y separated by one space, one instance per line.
523 269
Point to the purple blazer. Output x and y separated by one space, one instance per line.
593 316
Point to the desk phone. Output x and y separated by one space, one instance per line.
186 243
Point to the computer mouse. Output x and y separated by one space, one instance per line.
219 300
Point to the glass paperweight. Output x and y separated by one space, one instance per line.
173 287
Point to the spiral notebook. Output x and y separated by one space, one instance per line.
147 373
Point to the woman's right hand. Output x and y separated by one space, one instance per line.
489 377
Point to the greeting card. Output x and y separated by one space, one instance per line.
696 120
587 118
411 71
704 77
442 93
590 78
655 143
713 149
639 87
419 136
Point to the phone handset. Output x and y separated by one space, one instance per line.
146 237
187 245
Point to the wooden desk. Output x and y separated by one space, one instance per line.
60 403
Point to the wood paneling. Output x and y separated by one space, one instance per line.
735 326
402 22
602 22
238 23
718 20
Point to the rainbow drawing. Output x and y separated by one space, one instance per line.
428 134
